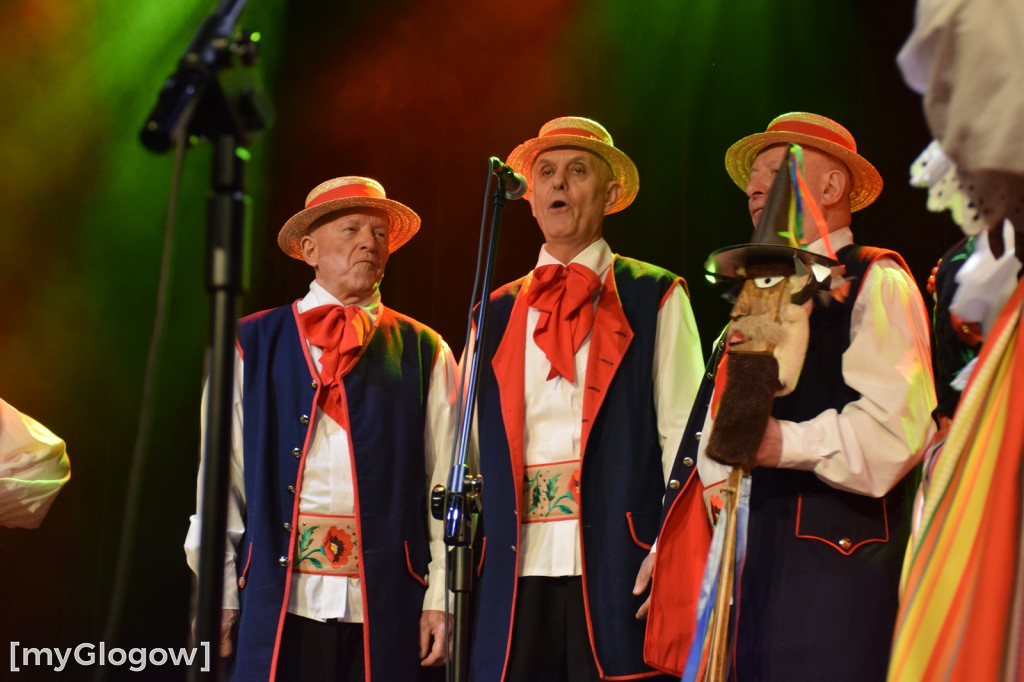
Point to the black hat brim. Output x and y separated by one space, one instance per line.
727 261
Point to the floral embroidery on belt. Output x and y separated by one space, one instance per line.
327 545
551 492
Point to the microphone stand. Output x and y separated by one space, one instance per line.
208 98
460 505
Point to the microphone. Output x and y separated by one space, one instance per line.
182 94
515 184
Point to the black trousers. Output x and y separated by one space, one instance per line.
549 634
311 650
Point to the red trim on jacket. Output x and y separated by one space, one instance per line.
632 532
408 566
509 364
483 553
852 548
298 488
678 281
609 340
245 570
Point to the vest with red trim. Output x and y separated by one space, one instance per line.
819 591
387 395
621 488
683 542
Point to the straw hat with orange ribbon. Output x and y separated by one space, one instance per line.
583 133
350 191
808 130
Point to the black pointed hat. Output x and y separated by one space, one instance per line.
771 241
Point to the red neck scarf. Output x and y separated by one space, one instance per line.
564 295
340 331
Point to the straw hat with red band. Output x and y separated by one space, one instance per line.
350 191
809 130
576 131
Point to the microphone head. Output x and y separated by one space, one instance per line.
515 186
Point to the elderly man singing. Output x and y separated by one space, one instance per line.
589 367
342 410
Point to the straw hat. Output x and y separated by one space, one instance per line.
809 130
575 131
348 192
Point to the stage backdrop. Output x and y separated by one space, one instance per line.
415 94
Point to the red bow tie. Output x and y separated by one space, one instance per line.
564 295
340 331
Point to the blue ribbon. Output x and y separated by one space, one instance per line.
709 583
706 604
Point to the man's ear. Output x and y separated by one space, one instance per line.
835 187
613 193
533 208
307 246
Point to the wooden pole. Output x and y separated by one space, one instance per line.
719 646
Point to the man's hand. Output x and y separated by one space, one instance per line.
433 643
228 623
769 452
643 579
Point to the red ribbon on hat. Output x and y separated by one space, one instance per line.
813 130
564 295
340 331
579 132
344 192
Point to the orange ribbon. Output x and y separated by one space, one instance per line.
564 295
340 331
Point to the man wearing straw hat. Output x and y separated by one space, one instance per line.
342 409
832 483
589 367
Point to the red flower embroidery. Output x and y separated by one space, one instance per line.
968 332
574 486
931 278
717 503
337 546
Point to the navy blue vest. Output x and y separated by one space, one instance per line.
820 585
621 484
387 394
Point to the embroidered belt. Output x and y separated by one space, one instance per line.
327 545
551 492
